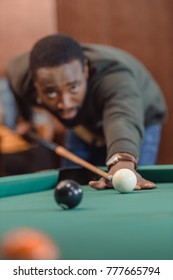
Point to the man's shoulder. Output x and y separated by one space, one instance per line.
17 70
104 52
114 59
19 63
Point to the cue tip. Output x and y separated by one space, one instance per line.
110 178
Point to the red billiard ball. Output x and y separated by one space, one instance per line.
28 244
68 194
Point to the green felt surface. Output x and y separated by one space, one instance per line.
106 224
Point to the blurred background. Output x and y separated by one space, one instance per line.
144 28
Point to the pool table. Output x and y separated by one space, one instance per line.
106 225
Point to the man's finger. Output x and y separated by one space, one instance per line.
100 184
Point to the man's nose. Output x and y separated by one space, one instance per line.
64 102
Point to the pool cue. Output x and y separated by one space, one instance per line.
63 152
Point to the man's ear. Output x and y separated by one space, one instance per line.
35 83
86 68
38 97
30 76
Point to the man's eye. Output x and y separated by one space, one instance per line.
74 88
50 92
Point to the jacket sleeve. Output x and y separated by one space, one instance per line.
123 113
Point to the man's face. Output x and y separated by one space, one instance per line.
62 89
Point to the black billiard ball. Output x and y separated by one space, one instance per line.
68 194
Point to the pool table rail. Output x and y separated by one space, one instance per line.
40 181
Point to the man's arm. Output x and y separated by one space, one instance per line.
123 121
21 85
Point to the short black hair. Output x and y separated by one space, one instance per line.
55 50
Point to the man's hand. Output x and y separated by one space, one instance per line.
141 182
23 127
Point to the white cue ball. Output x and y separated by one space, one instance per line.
124 180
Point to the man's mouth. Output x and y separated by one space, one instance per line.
68 114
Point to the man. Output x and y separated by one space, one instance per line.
111 104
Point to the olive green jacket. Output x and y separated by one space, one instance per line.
122 98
